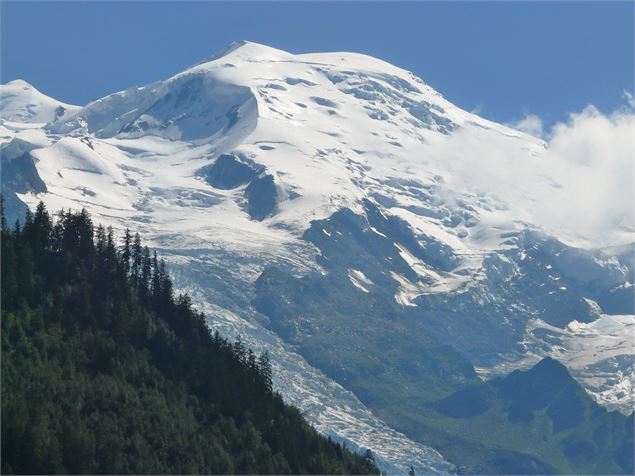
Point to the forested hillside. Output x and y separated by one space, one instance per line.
105 370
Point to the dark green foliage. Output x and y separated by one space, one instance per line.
466 403
545 414
104 370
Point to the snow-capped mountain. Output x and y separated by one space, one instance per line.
273 182
21 102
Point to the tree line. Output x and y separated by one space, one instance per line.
106 370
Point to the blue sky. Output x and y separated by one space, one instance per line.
504 59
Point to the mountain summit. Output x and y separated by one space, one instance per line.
377 244
21 102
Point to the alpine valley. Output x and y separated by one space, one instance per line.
330 209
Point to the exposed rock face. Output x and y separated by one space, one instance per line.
262 197
229 172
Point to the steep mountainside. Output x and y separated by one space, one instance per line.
534 421
370 250
105 371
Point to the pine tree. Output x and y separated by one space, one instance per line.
28 219
42 228
110 259
146 274
96 377
251 361
126 252
137 259
8 264
155 287
17 229
85 234
4 221
264 367
167 291
239 349
100 240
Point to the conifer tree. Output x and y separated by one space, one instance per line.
42 228
251 361
100 240
100 378
155 287
4 221
126 252
137 259
239 349
264 366
146 274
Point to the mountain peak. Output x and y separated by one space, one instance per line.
20 83
552 370
246 50
23 102
549 365
544 381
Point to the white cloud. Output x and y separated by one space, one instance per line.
530 124
593 155
477 109
630 100
577 185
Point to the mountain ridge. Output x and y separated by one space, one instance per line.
327 135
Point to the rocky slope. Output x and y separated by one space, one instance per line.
350 198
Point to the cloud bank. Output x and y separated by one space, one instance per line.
577 184
596 152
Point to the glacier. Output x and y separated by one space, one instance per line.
311 135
